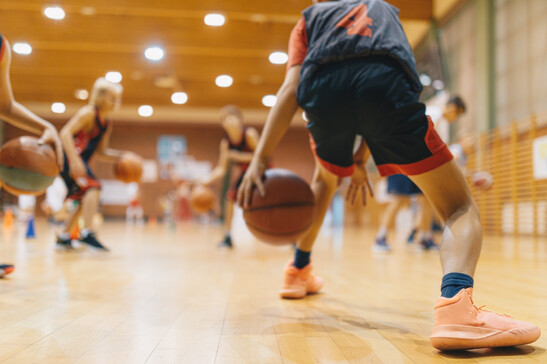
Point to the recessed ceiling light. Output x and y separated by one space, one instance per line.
179 98
224 81
114 76
214 20
438 85
54 12
154 53
146 111
22 48
279 57
81 94
425 79
269 100
58 107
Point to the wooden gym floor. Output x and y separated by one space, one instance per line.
164 296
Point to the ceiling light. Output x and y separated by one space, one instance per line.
269 100
438 85
54 12
58 107
81 94
224 81
179 98
145 111
425 79
214 20
279 57
154 53
114 76
22 48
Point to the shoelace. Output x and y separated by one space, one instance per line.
499 314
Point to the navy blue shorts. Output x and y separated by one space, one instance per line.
374 98
401 185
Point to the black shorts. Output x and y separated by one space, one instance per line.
401 185
77 191
371 97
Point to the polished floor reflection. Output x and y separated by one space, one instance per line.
170 296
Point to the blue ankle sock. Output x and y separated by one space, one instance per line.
455 282
301 258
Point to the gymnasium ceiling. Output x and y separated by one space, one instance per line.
111 35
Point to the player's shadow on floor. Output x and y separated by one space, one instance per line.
527 350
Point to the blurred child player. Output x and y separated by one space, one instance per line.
87 134
235 152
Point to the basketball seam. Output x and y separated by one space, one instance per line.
276 234
289 204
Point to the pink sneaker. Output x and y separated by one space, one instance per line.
459 324
299 282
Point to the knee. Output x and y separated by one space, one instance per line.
468 208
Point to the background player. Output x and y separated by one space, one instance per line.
236 151
85 135
402 188
20 117
352 70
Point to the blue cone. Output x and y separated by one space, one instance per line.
31 234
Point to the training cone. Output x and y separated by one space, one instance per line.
8 219
31 234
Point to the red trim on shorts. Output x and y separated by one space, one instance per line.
2 47
337 170
441 155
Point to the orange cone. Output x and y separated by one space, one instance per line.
8 218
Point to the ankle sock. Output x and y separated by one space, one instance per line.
453 283
301 258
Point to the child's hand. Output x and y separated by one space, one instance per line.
359 181
50 136
252 178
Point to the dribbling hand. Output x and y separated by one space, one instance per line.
359 182
252 179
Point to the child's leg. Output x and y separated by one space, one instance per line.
299 281
388 217
324 186
90 206
447 190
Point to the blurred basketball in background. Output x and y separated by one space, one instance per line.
26 166
128 168
202 199
482 181
285 212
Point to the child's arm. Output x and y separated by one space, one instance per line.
277 123
222 165
106 154
19 116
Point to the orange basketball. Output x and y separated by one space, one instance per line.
128 168
26 167
482 181
286 211
202 199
